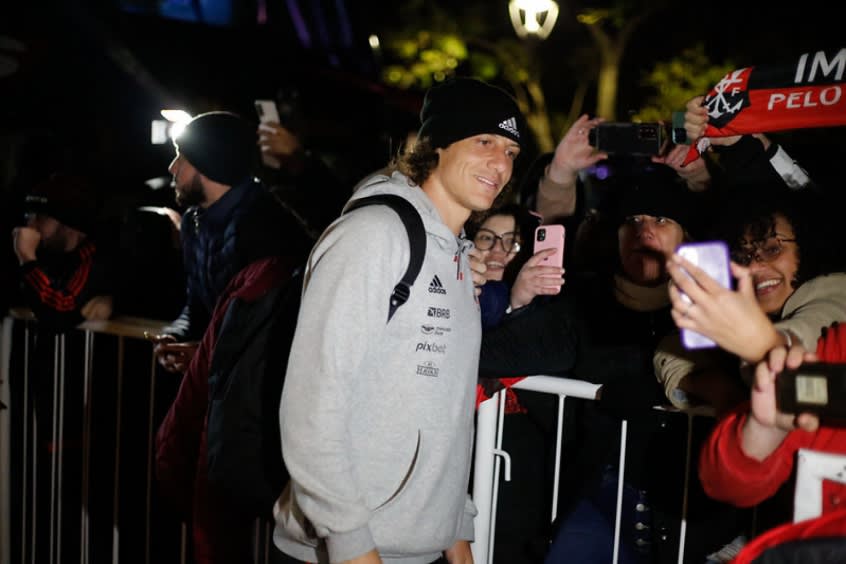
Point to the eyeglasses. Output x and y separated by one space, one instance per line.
766 250
486 239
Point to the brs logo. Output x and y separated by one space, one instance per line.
438 312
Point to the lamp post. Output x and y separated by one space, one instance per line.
533 21
533 17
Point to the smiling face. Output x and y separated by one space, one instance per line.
497 258
774 266
470 175
645 243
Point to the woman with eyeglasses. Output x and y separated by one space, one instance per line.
514 276
790 284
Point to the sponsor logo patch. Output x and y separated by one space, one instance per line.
430 347
435 286
428 368
439 312
434 330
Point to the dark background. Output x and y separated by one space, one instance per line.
99 71
90 76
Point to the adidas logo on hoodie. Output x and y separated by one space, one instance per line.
435 286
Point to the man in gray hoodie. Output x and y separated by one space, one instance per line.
377 417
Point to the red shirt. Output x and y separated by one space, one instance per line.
729 475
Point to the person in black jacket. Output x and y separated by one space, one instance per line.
232 221
65 277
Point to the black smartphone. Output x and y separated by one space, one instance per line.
814 387
622 138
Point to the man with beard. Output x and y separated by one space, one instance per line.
231 221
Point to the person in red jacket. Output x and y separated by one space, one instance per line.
751 452
220 530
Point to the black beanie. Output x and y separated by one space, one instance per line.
220 145
464 107
69 199
658 192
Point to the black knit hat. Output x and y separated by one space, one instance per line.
67 198
464 107
658 192
220 145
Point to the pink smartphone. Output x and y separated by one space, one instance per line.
550 237
713 258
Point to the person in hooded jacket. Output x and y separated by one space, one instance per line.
377 413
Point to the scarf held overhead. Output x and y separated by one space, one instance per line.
807 93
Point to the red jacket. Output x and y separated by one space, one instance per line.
727 474
220 535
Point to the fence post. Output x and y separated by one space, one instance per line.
483 478
5 439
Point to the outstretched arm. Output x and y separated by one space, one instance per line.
557 187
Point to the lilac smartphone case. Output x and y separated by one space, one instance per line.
713 258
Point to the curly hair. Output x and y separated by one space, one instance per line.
418 162
753 214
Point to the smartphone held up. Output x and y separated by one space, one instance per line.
713 258
550 237
267 113
625 138
814 387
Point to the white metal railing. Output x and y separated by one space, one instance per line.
31 427
5 447
489 455
31 493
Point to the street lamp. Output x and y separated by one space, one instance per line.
533 17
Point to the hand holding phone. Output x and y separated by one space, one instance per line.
543 273
267 113
713 258
813 387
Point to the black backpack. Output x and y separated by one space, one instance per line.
247 373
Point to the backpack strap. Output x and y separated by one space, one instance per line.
416 238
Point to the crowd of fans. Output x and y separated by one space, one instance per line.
614 320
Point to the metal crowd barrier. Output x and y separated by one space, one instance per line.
489 457
20 411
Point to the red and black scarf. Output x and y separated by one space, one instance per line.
810 92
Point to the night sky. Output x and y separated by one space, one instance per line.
99 74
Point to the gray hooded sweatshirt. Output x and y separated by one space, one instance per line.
377 417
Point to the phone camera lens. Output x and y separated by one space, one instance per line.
542 235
